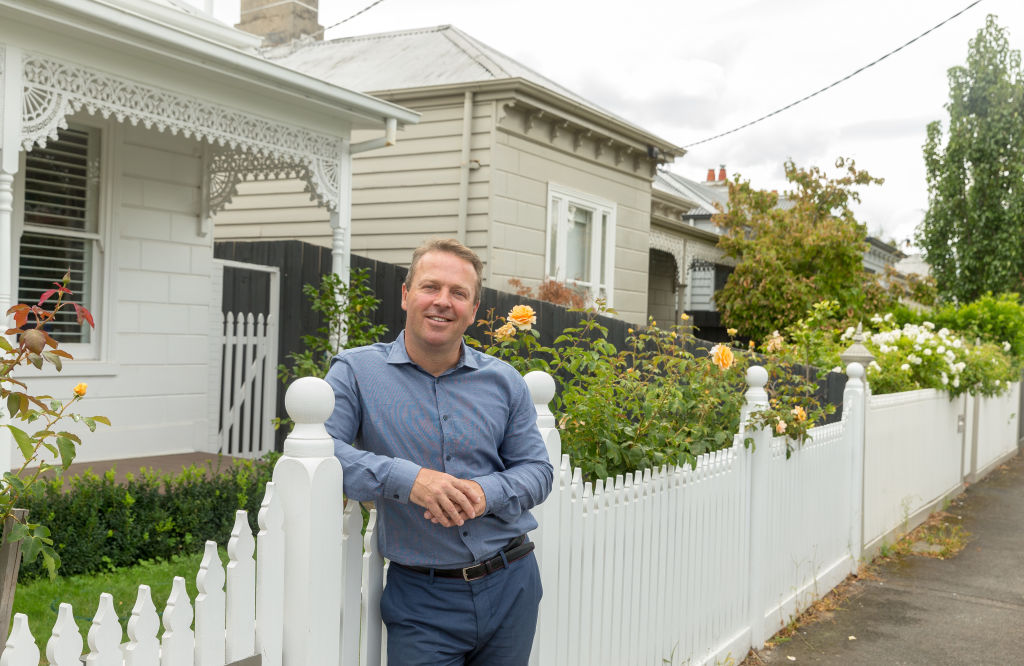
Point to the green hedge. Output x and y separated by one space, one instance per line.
98 524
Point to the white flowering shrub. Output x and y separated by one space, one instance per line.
919 356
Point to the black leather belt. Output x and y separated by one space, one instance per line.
516 549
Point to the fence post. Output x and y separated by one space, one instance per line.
308 480
760 458
855 412
542 390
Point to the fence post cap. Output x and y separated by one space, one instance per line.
541 385
757 376
309 400
855 370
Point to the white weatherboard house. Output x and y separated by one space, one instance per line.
124 125
538 180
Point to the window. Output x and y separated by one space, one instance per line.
60 231
581 241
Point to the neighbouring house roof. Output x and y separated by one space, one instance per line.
429 58
704 195
709 196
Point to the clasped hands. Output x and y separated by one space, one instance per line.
448 500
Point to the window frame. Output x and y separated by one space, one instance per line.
100 274
597 285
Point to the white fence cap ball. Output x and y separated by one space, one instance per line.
757 376
855 370
309 400
541 385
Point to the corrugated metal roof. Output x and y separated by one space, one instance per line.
705 194
435 56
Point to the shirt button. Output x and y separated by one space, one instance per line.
396 496
465 534
444 418
448 458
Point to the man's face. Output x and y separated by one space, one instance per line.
441 301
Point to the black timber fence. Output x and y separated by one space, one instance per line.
303 263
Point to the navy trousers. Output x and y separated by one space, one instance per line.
436 621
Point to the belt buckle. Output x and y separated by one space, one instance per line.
465 574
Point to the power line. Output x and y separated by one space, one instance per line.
361 11
834 83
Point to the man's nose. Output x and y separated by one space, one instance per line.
444 297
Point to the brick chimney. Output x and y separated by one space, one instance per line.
711 176
280 21
721 173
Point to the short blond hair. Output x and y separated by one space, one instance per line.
451 246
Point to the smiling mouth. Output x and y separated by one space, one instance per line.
438 319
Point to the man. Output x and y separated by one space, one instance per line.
448 448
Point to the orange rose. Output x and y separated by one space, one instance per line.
523 317
799 413
722 356
506 332
80 389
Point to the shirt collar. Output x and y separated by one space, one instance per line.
398 355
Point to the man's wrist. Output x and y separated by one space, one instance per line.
400 479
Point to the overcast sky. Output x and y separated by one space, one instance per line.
687 71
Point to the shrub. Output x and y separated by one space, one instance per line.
98 524
664 399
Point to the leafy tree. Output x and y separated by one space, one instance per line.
795 255
973 232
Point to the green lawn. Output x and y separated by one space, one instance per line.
40 599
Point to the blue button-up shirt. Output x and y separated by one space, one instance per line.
476 421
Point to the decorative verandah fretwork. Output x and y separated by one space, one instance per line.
241 145
257 147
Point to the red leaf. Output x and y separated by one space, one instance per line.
84 314
46 295
20 318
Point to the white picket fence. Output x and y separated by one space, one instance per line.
665 566
248 395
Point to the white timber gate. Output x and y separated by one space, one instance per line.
243 368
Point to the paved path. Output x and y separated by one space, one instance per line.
965 610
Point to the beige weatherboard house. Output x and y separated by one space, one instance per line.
539 181
124 125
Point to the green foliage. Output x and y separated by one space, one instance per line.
98 524
347 312
995 319
661 400
972 232
790 258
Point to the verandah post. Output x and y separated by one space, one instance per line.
855 410
308 479
757 399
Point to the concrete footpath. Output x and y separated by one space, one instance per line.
968 609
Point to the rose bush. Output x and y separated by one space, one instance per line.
35 420
664 399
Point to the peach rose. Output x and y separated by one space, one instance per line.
80 389
523 317
722 356
506 332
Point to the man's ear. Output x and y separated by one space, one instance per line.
403 297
